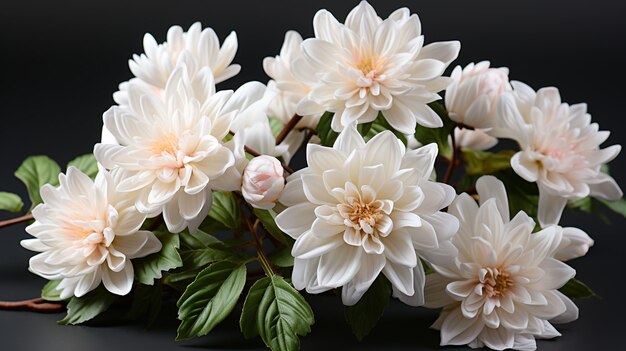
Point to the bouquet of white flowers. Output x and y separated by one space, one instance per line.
190 193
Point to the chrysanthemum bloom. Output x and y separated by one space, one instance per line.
560 148
171 150
289 90
368 65
87 234
472 96
361 209
197 48
500 291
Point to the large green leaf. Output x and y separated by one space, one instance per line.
225 209
210 298
86 164
277 312
268 220
146 302
324 130
363 316
484 162
82 309
36 171
50 292
282 257
149 268
10 202
575 289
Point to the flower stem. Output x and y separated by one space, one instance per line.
265 262
287 128
36 305
452 164
21 219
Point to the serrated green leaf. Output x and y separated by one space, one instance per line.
277 312
210 298
180 280
36 171
82 309
282 258
225 209
268 220
324 130
276 125
484 162
363 316
149 268
146 302
50 292
10 202
575 289
86 164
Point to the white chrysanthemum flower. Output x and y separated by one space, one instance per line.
500 291
87 234
472 97
368 65
560 148
361 209
289 90
196 48
475 139
171 150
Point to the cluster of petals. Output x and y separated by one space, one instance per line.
369 66
500 291
170 147
360 209
86 234
560 148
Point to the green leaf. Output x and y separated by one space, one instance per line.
277 312
86 164
276 125
282 257
36 171
146 302
149 268
484 162
575 289
618 206
324 130
437 135
199 240
380 124
225 209
210 298
10 202
197 258
363 316
268 220
180 280
82 309
50 292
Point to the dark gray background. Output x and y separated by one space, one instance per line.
62 60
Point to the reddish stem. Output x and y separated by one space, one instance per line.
21 219
452 164
36 305
287 128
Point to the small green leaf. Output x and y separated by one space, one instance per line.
146 302
180 280
437 135
10 202
82 309
282 257
149 268
617 206
225 209
484 162
86 164
197 258
324 130
575 289
277 312
36 171
380 124
210 298
276 125
50 292
268 220
363 316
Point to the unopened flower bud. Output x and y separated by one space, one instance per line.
263 182
575 243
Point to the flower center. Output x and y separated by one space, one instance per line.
168 144
371 69
363 216
496 282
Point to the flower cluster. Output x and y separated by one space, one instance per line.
193 184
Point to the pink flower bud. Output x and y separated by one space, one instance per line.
263 182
